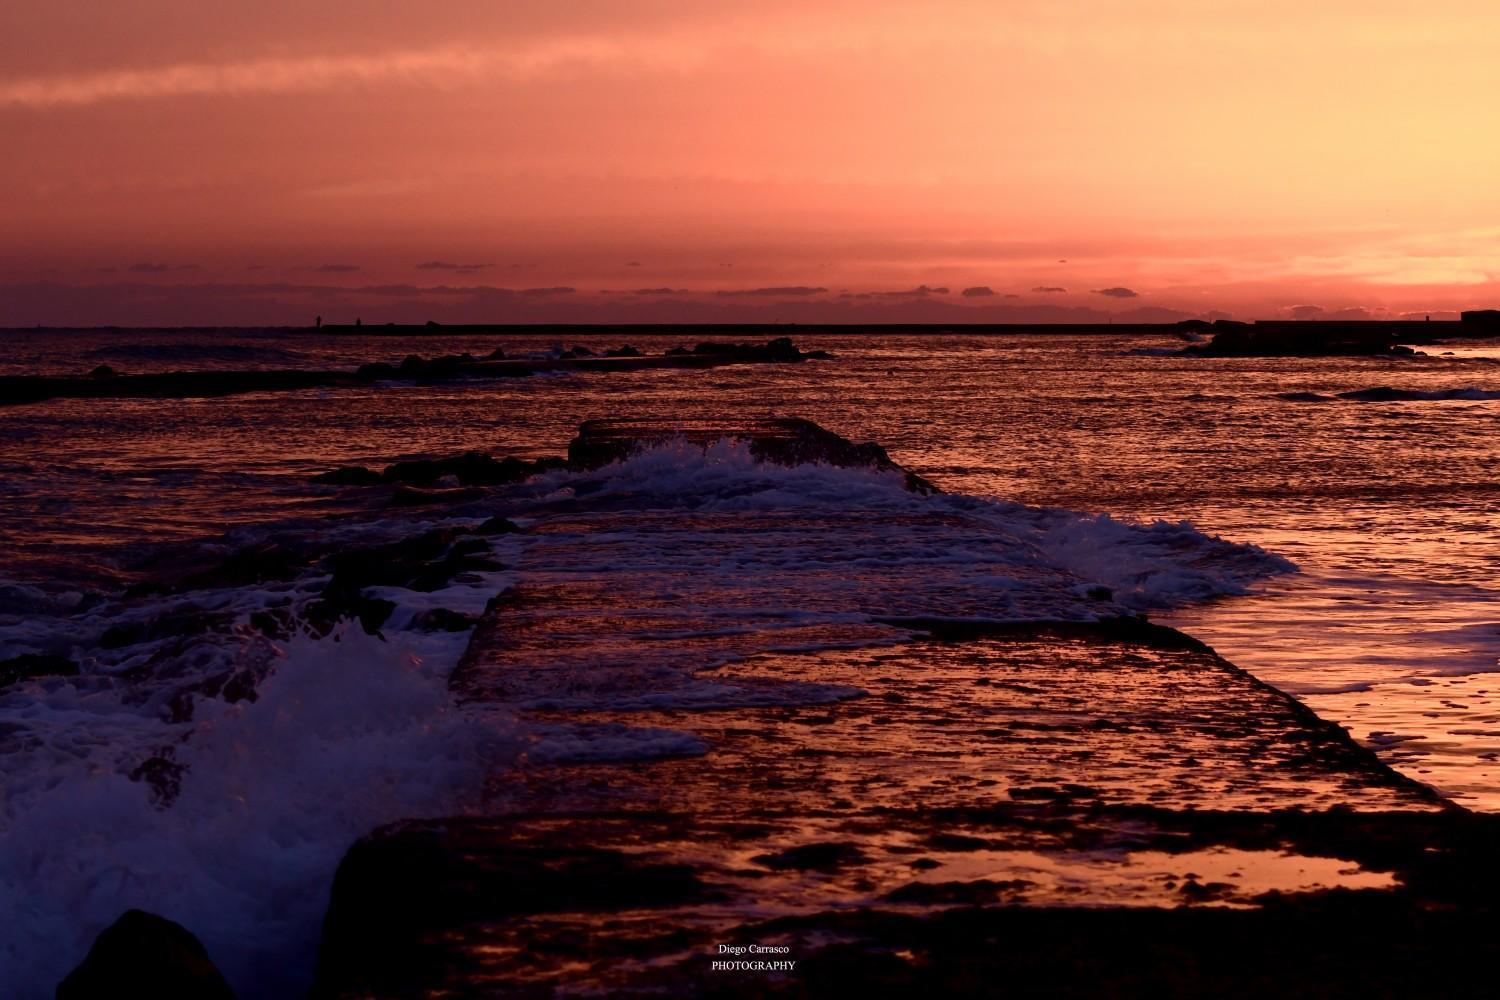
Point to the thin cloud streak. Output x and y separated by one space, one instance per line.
298 75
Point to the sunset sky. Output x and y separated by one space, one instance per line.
198 161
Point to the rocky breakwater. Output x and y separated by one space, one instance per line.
785 698
107 383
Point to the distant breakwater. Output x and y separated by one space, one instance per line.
106 383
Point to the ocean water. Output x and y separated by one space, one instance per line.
1343 548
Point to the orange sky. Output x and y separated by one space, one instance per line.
1217 154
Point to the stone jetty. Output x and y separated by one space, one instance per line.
865 798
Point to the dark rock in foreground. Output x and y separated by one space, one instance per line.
143 955
392 890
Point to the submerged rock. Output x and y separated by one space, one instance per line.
426 562
348 475
416 496
497 526
144 955
28 666
472 468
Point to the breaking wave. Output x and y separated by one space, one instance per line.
231 819
238 836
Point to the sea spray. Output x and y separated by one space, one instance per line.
237 832
1164 564
347 733
1019 562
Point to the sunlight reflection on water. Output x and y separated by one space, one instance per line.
1390 509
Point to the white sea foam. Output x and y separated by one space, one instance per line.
1014 562
715 556
348 732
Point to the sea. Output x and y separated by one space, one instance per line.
1331 525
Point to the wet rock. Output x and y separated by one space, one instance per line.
426 562
472 468
416 496
348 475
393 889
343 597
28 666
443 620
228 685
103 371
418 472
370 612
277 623
376 371
465 557
163 775
390 564
476 468
627 351
497 526
175 624
260 564
144 955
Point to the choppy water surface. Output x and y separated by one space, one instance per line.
1389 508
